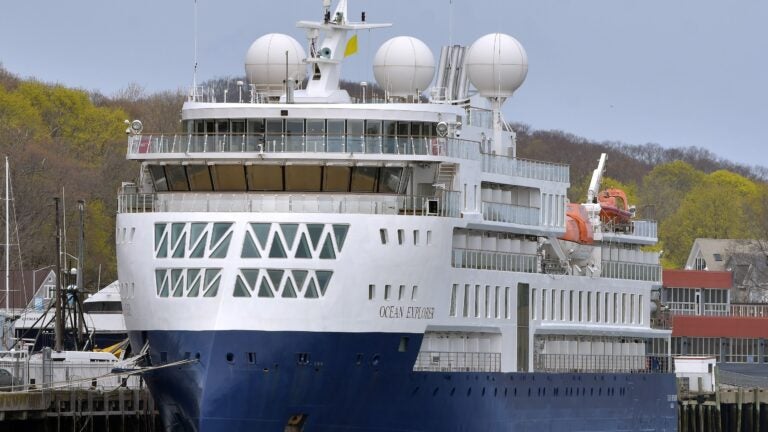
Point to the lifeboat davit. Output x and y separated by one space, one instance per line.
611 210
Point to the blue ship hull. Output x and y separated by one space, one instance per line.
265 381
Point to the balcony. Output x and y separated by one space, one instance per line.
144 146
510 213
436 361
447 205
631 271
500 261
594 363
547 171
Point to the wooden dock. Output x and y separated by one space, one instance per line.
726 410
79 410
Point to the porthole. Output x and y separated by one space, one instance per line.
230 357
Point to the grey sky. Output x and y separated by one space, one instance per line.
677 73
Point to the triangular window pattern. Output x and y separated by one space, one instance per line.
289 291
323 278
275 276
301 277
289 231
221 250
180 247
161 283
311 290
340 232
264 289
315 231
262 233
219 229
303 251
212 280
194 280
177 282
249 248
277 250
251 276
327 251
240 289
161 241
196 230
199 250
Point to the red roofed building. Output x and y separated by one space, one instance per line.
697 292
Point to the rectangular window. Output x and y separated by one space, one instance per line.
364 179
177 178
522 326
453 300
487 301
415 293
337 178
562 302
589 306
631 308
371 292
315 141
401 293
158 178
336 131
400 236
624 308
387 291
294 132
607 308
392 180
615 308
429 237
640 316
552 305
496 311
506 302
199 178
543 304
263 177
570 305
533 302
415 237
251 357
465 311
477 301
301 178
228 178
383 235
597 308
581 303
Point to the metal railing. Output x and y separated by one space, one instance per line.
525 168
631 271
446 205
281 143
510 213
565 363
749 310
55 374
442 361
501 261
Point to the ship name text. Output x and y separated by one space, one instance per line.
410 312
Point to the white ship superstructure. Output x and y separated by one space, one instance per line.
300 242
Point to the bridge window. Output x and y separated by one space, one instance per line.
265 177
364 179
199 178
301 178
177 178
228 178
337 179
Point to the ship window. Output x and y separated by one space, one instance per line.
487 301
265 177
416 129
251 357
383 235
301 178
371 292
294 131
597 309
199 178
581 298
506 302
403 129
429 237
391 180
335 136
477 301
403 346
400 236
387 289
210 127
274 134
355 130
631 308
401 294
177 179
373 136
228 178
624 308
615 307
364 179
256 126
336 179
414 293
465 311
230 358
533 304
315 141
453 300
158 177
553 297
496 310
640 309
562 307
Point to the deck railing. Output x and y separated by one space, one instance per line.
749 310
525 168
447 205
501 261
280 143
441 361
509 213
631 271
568 363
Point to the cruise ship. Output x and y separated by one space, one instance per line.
382 261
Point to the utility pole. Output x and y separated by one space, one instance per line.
59 300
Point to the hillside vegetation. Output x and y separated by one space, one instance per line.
69 142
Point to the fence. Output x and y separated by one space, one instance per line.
509 213
501 261
525 168
562 363
631 271
441 361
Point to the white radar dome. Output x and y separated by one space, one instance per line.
404 65
265 62
497 65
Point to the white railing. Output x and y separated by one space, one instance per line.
525 168
631 271
510 213
565 363
440 361
139 145
501 261
645 228
447 205
55 374
749 310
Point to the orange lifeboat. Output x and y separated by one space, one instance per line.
614 207
577 227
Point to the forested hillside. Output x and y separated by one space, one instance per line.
72 142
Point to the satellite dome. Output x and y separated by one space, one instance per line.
265 62
404 65
497 65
